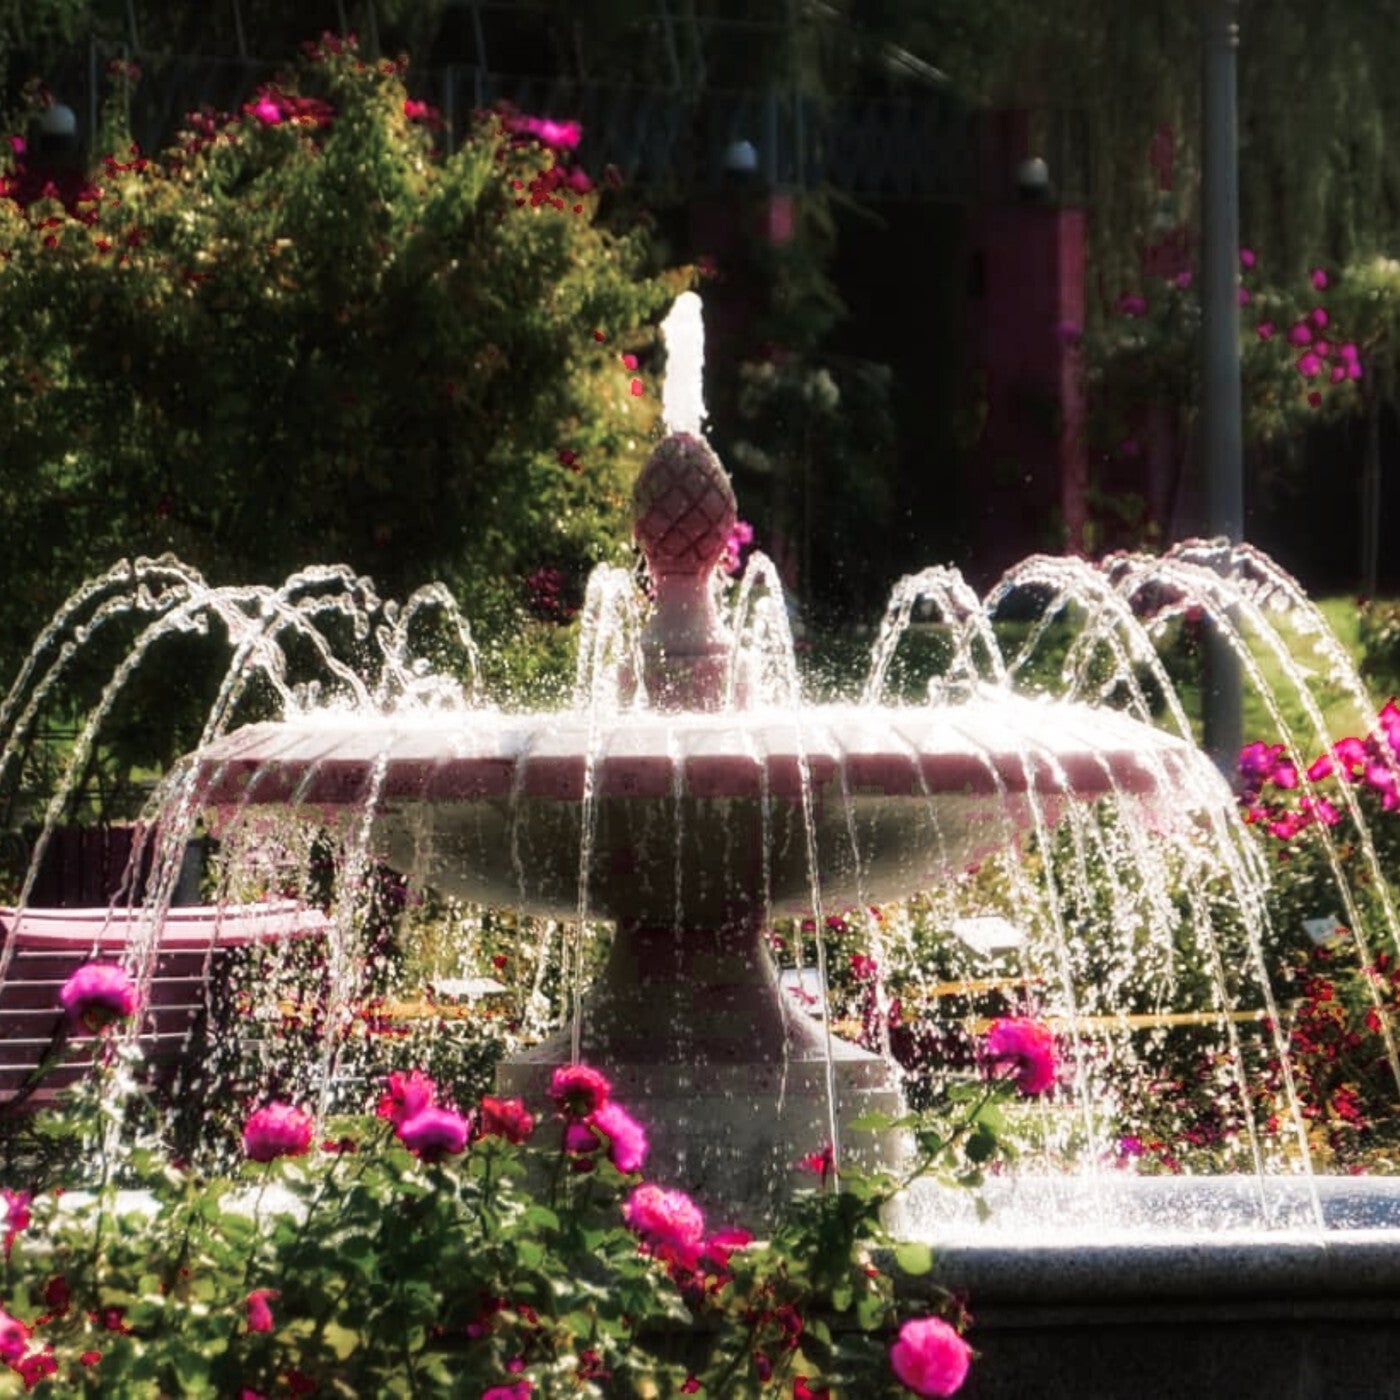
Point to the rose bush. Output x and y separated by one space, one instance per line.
428 1250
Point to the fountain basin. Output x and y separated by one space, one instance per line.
1171 1287
697 818
690 831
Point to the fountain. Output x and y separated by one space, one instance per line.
689 798
689 816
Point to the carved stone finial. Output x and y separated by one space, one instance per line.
684 509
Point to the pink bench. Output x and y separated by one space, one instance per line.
50 944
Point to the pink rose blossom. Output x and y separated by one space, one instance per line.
98 994
14 1338
1318 277
1309 366
664 1220
1266 330
1247 257
929 1357
507 1118
16 1216
516 1390
277 1130
434 1133
1318 316
406 1096
1300 334
627 1139
819 1164
559 136
578 1090
1025 1050
260 1317
1130 304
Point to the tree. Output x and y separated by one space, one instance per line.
303 335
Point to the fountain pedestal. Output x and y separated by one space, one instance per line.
731 1081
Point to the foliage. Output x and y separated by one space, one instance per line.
305 332
1302 361
1379 636
429 1252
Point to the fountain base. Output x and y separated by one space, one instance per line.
729 1078
731 1134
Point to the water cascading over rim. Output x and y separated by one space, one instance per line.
690 822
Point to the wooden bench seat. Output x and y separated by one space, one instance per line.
49 945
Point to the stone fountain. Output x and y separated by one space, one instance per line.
689 817
689 809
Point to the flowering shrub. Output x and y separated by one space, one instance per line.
468 1253
1318 820
307 326
1306 351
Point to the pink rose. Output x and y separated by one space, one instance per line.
434 1133
14 1338
98 994
406 1096
1025 1051
666 1220
507 1118
277 1130
627 1139
929 1357
260 1317
578 1090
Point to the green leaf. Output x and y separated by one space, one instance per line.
913 1257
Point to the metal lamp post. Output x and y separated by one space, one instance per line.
1221 433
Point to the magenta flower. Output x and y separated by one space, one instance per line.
277 1130
581 1142
578 1090
1300 334
1023 1050
406 1096
1183 279
1130 304
260 1317
1247 257
14 1338
16 1215
1318 277
434 1133
98 994
820 1164
627 1139
1242 296
1351 754
516 1390
667 1221
266 111
507 1118
558 136
929 1357
1266 330
1309 366
1318 316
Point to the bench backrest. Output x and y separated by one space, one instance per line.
51 944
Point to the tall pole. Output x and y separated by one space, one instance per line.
1222 454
